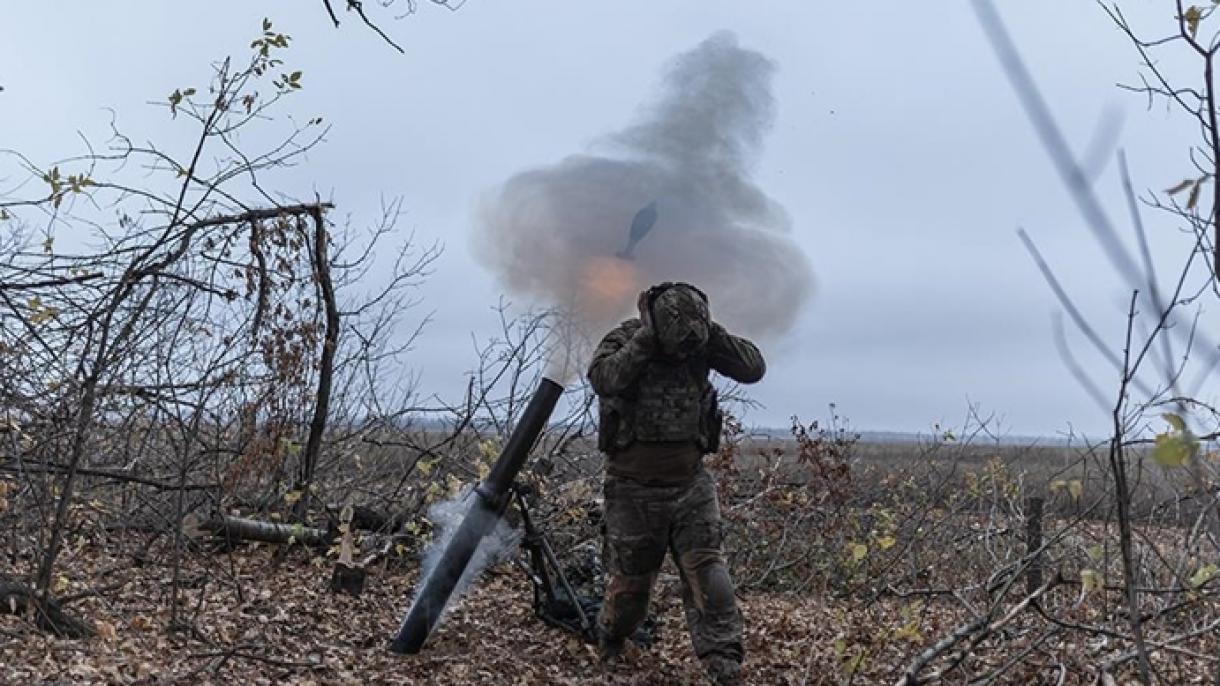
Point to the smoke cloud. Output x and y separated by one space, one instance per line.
556 233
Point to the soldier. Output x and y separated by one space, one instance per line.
658 417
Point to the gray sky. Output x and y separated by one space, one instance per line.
899 151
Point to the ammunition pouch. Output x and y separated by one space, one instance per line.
613 430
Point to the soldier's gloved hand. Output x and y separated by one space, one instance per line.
645 340
642 305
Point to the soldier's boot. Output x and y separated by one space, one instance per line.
723 671
610 650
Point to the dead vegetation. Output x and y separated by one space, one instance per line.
205 479
842 579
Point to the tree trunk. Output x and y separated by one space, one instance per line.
242 529
326 366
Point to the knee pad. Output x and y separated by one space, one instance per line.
718 589
709 581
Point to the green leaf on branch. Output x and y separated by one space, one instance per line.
1176 447
1205 574
1171 451
1192 17
292 80
52 179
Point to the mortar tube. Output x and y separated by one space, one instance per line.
490 499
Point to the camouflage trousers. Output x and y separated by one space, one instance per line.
642 522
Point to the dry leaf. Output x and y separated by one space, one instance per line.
105 629
140 623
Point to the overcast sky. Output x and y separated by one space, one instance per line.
899 151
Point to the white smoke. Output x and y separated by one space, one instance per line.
446 516
554 233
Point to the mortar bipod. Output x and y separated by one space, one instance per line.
558 606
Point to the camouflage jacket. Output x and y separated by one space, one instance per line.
645 396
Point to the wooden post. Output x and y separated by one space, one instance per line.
348 576
1033 542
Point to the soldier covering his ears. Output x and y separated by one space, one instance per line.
658 416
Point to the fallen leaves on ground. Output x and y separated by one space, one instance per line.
252 617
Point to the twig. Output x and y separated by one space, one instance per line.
979 627
1122 497
358 7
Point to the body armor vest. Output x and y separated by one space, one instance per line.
670 401
667 400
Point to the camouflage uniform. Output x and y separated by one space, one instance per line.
658 416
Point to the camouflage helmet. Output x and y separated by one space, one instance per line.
680 317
